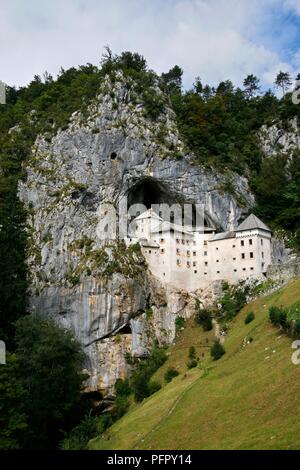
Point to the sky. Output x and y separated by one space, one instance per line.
213 39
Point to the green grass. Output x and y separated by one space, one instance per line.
249 399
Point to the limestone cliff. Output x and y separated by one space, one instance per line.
105 294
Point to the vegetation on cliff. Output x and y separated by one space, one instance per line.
252 390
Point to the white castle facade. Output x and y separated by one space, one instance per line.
191 258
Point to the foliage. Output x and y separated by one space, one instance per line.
192 363
170 374
249 318
13 412
50 363
288 319
179 322
233 300
217 350
140 381
204 317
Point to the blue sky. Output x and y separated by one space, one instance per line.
213 39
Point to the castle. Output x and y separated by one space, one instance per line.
191 258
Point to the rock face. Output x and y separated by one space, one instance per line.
105 294
276 138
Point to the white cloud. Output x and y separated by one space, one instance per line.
216 39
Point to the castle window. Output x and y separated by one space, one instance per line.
194 243
188 264
261 242
194 263
251 255
206 263
183 242
205 253
218 261
162 251
162 240
178 262
250 241
177 240
233 246
262 254
234 259
194 253
235 270
188 253
252 269
195 272
217 248
149 251
205 242
178 251
218 272
205 274
242 243
244 269
243 255
187 242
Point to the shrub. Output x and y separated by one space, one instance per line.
217 350
203 317
249 318
140 380
278 316
192 363
192 352
154 386
179 323
170 374
122 387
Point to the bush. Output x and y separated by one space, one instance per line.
203 317
192 352
179 323
170 374
140 380
192 363
217 350
122 387
278 316
154 386
249 318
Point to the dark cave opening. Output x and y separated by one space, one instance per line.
149 192
125 330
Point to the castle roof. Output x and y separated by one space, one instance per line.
149 214
222 236
252 222
169 227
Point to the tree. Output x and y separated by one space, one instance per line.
283 81
251 84
198 86
13 419
50 364
172 81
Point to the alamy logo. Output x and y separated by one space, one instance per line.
2 352
2 93
296 354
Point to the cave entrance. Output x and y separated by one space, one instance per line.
125 330
149 192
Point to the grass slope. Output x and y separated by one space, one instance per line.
249 399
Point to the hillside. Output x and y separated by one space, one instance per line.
246 400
